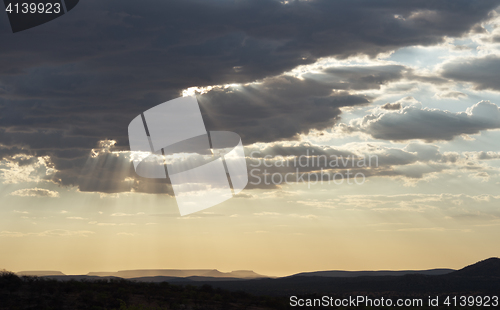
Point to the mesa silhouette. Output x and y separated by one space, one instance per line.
152 275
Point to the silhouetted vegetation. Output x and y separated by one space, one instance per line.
29 292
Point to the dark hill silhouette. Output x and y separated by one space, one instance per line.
486 268
352 274
474 279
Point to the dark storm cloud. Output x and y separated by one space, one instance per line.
415 161
81 78
279 107
482 72
117 57
413 122
7 152
360 78
105 172
111 172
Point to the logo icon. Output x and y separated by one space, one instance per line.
28 14
204 168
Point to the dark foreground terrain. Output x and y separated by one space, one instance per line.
28 292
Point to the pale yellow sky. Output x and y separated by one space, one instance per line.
274 233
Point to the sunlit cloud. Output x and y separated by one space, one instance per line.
35 192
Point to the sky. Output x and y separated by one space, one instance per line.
412 85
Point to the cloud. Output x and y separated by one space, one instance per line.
257 232
25 168
307 216
282 107
266 213
125 214
35 192
451 95
328 203
243 195
62 93
20 212
454 206
11 234
49 233
427 229
107 171
63 232
482 72
430 152
483 155
414 122
270 163
110 61
126 234
363 77
112 171
391 106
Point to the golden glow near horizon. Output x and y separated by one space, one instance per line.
274 233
